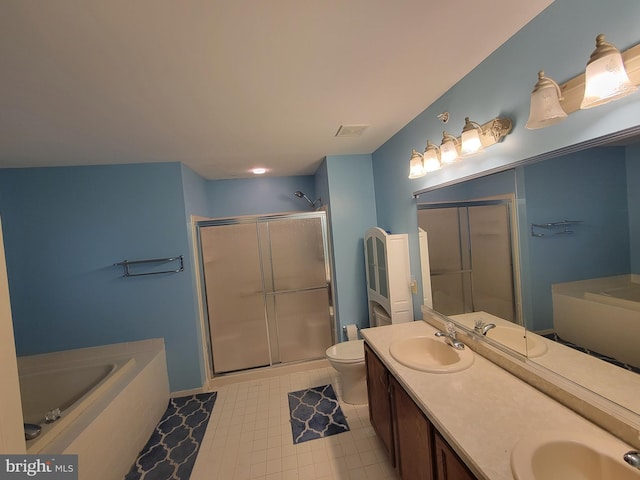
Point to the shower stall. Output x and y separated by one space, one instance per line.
471 257
267 289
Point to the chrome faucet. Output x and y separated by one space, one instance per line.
632 458
482 328
450 337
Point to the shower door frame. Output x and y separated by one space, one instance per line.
509 201
255 219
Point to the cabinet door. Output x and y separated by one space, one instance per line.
449 466
379 404
412 436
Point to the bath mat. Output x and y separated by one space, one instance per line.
171 451
315 413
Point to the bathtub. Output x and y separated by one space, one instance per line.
601 314
110 397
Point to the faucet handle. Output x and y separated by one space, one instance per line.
479 323
451 329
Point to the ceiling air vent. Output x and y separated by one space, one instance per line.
351 130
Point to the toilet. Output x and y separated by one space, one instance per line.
348 359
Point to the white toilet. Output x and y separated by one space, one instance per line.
348 359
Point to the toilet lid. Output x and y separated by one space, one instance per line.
347 352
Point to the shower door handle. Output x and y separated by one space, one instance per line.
296 290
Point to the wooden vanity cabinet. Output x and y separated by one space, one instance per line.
412 434
415 447
448 464
379 400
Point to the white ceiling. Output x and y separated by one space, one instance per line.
226 85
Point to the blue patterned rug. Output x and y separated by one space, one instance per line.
315 413
171 451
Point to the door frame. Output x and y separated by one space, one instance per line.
512 215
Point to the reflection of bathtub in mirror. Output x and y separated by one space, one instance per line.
605 379
601 314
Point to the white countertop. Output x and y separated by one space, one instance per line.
482 411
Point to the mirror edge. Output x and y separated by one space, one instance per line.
608 415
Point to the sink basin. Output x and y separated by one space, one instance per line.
563 456
430 354
513 338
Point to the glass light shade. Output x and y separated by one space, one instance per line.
448 149
430 158
605 76
470 139
545 106
416 167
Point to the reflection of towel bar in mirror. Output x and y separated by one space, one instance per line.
127 273
564 225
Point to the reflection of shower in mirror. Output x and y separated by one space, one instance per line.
313 205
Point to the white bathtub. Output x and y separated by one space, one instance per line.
601 314
111 398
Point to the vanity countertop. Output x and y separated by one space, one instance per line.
482 411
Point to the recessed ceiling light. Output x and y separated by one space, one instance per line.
351 130
259 171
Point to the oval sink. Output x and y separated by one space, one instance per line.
561 456
514 338
430 354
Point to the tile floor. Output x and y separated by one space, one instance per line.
249 436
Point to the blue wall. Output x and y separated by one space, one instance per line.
64 228
559 41
633 191
194 188
502 183
349 182
258 196
599 247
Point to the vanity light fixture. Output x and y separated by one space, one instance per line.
609 75
431 158
451 148
606 78
545 107
448 149
416 167
470 142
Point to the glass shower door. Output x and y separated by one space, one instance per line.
297 291
267 289
471 258
235 298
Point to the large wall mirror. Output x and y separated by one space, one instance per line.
549 253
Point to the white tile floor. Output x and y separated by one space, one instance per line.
249 436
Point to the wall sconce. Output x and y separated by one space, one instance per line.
431 158
448 149
605 77
609 75
416 167
482 136
545 107
470 142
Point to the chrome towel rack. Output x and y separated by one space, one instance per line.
557 228
126 263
